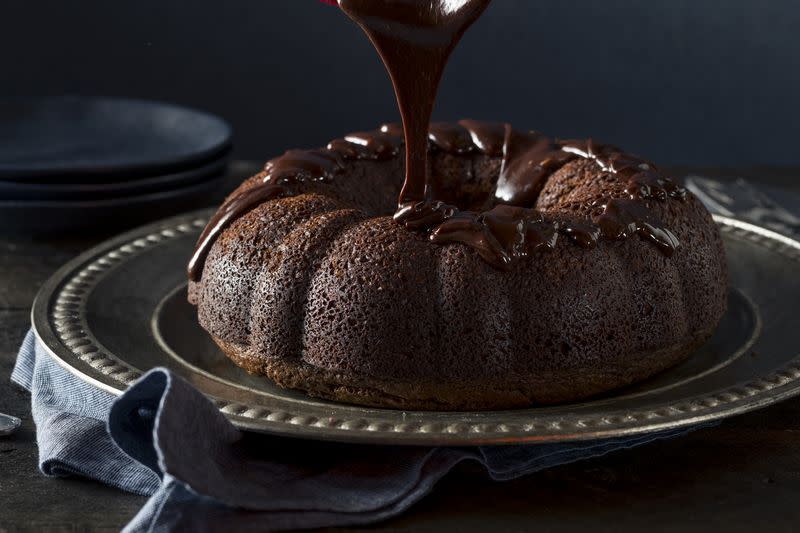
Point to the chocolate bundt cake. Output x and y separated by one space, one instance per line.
547 271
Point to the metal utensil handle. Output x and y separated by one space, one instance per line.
8 424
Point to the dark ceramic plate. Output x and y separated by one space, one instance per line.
37 192
120 309
59 140
66 218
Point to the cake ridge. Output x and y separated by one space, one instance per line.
282 301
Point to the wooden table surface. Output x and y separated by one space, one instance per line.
742 475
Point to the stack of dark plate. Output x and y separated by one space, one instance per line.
75 164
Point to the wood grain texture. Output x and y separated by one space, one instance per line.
740 476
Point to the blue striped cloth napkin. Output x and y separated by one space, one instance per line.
164 439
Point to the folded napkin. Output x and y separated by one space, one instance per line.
164 439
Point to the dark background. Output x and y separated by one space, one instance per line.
681 81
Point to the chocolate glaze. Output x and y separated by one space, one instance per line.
415 39
512 228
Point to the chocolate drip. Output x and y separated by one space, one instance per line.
488 137
529 159
281 177
499 235
623 217
584 234
377 145
304 165
453 138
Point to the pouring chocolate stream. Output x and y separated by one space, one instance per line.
415 40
